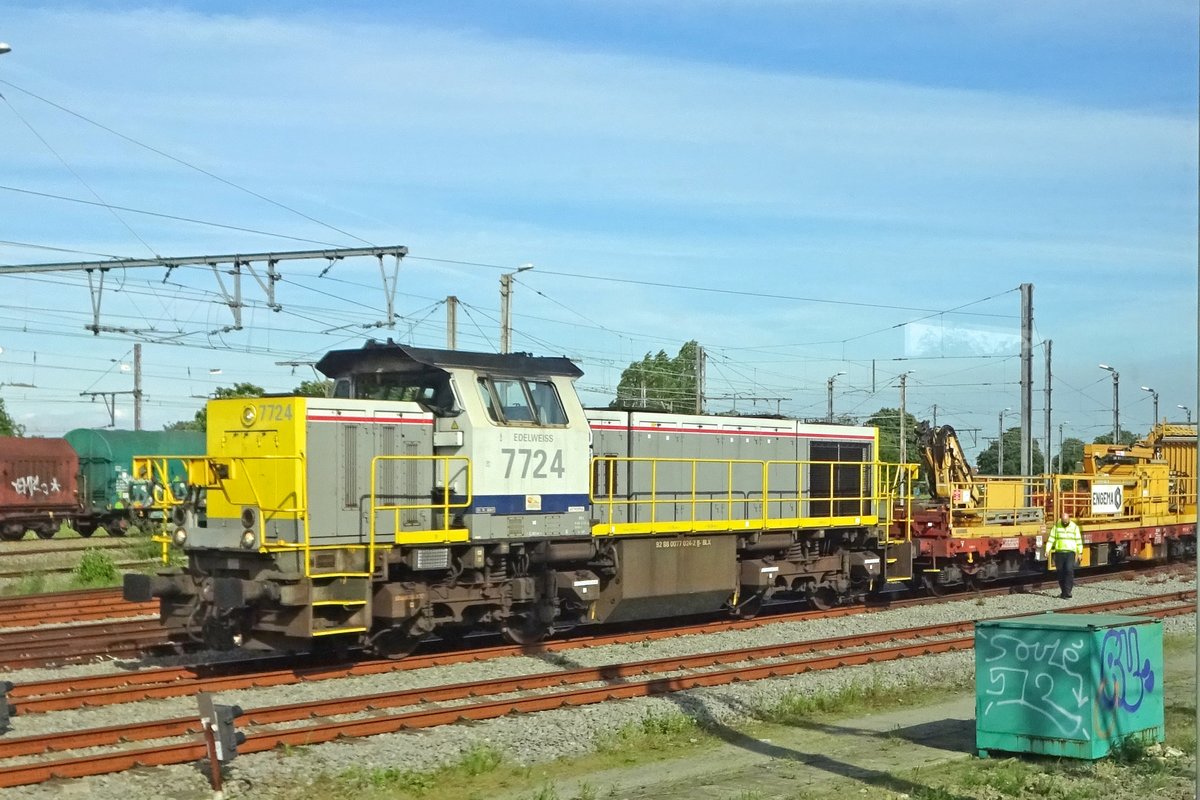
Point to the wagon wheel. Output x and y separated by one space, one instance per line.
85 529
394 643
931 586
823 599
749 608
118 527
12 533
524 629
46 530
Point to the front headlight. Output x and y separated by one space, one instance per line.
180 537
249 540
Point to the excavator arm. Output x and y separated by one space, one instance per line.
944 463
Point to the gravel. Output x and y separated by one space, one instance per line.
546 735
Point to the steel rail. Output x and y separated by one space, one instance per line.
328 731
90 691
57 599
117 734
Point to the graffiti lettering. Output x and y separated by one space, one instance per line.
1125 677
1041 678
31 485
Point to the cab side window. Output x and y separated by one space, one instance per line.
485 394
545 400
515 401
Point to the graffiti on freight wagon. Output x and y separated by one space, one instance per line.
1042 678
33 485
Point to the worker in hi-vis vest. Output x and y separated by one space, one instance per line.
1064 546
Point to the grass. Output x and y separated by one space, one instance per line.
549 792
29 583
653 732
794 707
479 760
96 568
660 738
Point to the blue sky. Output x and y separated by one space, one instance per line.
835 171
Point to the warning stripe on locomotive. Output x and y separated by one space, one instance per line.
728 432
377 420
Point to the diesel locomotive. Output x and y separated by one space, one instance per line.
450 492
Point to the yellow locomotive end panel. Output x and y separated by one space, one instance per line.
259 443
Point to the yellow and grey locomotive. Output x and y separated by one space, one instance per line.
451 492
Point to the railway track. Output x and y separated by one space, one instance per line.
122 565
16 549
86 605
35 647
134 637
489 699
164 682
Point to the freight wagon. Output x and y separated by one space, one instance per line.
112 496
37 486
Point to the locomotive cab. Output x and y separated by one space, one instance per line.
514 421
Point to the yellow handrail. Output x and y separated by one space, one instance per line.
756 491
444 506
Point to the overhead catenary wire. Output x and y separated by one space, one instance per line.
158 214
608 278
78 177
185 163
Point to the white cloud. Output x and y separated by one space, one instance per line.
467 146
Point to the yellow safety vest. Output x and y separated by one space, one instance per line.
1065 538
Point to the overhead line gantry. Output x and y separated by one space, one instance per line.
234 266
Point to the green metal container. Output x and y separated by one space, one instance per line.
1071 685
106 460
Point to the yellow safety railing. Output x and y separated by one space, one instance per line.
453 468
741 494
895 487
234 478
1000 500
1149 494
156 471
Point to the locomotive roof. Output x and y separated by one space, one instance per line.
389 356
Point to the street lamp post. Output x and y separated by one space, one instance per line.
1000 443
1153 394
1116 376
1187 411
1061 455
829 393
903 413
506 282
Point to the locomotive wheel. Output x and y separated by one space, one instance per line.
749 608
394 643
523 630
823 599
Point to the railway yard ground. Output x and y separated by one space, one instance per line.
69 561
891 729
